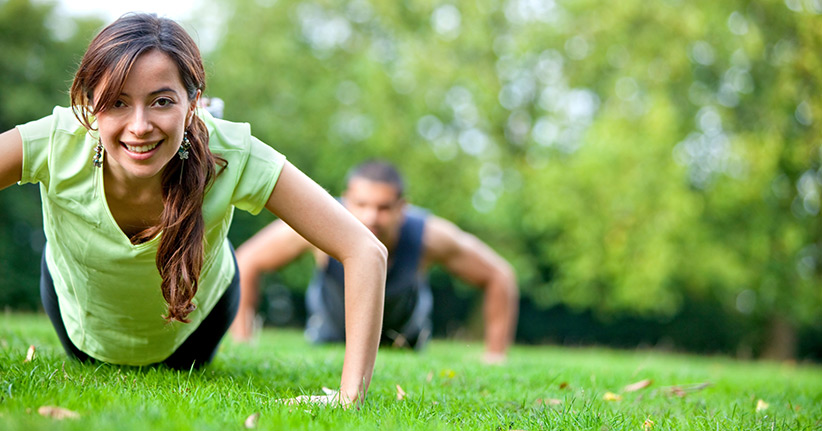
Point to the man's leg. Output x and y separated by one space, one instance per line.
417 331
319 327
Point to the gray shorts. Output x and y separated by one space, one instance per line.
415 333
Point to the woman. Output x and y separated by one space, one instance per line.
138 188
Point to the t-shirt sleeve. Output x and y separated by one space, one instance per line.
257 181
36 142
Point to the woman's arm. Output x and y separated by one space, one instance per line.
11 158
324 222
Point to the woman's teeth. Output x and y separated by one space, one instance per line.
142 148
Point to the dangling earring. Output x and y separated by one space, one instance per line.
98 154
183 153
184 147
97 162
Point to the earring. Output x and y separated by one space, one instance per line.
98 154
184 147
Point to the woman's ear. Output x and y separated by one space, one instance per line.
192 107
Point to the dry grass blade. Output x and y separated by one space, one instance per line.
642 384
251 421
65 374
30 354
400 393
683 390
58 413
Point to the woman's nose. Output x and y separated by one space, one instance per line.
140 122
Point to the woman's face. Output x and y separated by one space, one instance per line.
143 130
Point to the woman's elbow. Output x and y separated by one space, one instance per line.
365 252
379 251
372 253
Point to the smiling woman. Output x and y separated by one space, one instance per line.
142 83
138 188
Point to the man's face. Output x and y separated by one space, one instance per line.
377 205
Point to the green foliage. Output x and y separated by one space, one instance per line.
40 52
446 388
622 156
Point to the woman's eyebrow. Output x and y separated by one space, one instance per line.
155 92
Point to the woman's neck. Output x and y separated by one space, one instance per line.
135 203
120 185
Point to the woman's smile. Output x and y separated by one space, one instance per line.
143 129
141 151
141 148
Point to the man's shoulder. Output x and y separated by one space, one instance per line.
440 237
416 212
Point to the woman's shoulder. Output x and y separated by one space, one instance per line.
226 135
65 119
61 122
234 142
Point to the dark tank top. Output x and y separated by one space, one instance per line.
403 278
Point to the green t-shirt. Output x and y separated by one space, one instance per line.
109 289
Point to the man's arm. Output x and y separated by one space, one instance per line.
270 249
471 260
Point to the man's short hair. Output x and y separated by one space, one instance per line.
378 171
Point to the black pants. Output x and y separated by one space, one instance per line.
197 350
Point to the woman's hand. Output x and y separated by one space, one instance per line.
330 398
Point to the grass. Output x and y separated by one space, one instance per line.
544 387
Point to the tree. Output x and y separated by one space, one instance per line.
624 156
40 51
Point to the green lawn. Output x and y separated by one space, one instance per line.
447 388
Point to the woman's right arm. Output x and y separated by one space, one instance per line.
11 157
315 215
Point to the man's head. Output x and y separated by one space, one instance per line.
374 194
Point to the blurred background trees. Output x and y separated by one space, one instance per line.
40 52
653 162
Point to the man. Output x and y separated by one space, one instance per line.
415 240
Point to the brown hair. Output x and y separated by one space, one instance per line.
378 171
105 65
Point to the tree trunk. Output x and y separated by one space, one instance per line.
780 341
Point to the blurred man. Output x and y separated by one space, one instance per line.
415 240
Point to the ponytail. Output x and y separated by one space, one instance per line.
180 253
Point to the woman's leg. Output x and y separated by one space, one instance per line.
199 348
49 298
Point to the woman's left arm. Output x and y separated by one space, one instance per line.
319 218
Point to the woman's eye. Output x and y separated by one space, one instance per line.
164 102
118 104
